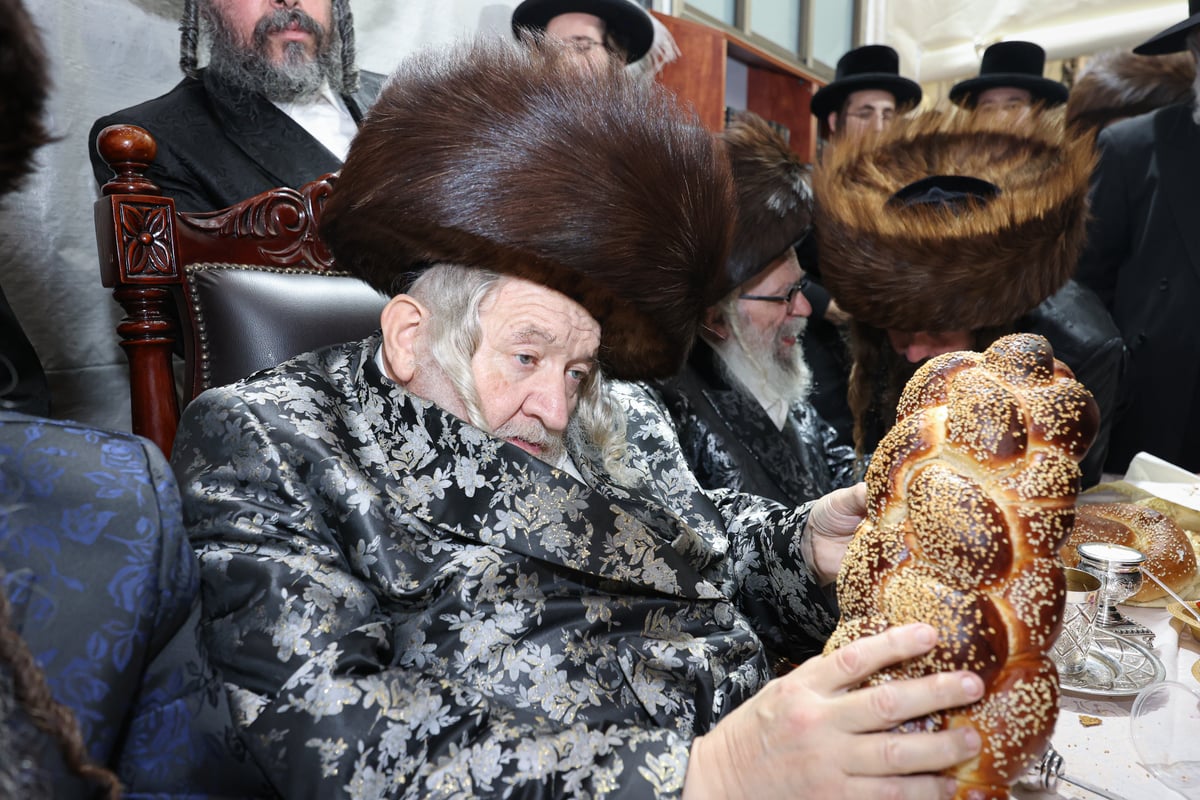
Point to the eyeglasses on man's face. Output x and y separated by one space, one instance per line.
585 44
789 298
871 114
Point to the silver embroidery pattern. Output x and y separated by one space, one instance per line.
408 607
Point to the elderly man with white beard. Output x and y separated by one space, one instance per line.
277 104
740 405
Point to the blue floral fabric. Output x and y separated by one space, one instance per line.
104 588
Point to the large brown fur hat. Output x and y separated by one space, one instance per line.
517 160
927 267
774 201
1119 83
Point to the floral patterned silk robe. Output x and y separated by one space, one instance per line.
405 606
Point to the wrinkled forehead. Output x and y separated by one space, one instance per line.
517 310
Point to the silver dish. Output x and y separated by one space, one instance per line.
1116 667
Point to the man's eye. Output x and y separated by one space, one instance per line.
526 359
578 375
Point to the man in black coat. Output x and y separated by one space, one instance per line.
740 405
1143 259
277 105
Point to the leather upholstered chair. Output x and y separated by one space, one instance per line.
235 291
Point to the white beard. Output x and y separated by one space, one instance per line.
754 361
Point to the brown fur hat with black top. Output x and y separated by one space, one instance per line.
1118 83
945 222
774 201
518 161
952 221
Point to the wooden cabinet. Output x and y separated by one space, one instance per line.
774 89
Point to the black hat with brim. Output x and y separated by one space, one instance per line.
1049 92
872 66
1174 38
1016 64
630 25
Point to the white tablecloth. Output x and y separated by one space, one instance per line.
1103 754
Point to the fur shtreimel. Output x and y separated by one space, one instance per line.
931 268
517 160
1118 83
774 201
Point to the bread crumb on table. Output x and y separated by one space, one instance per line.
1089 721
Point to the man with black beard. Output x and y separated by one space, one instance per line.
277 104
741 404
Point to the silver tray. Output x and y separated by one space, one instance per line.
1116 667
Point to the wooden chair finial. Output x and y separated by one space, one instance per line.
129 151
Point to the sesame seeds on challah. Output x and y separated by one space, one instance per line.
969 498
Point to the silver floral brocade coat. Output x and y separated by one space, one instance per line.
731 443
405 606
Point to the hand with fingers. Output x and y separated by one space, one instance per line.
811 734
831 525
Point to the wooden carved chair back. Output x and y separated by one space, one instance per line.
234 291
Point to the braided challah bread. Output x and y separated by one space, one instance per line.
969 497
1169 554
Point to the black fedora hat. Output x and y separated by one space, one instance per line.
1017 64
628 24
872 66
1174 38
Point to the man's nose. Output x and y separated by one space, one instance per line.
799 307
549 404
286 3
916 353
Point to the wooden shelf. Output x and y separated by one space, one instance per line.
775 90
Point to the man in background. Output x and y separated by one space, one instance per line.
277 104
1010 79
1143 259
600 31
740 404
866 94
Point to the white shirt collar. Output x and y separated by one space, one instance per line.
326 118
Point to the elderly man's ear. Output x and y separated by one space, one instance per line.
714 324
401 322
